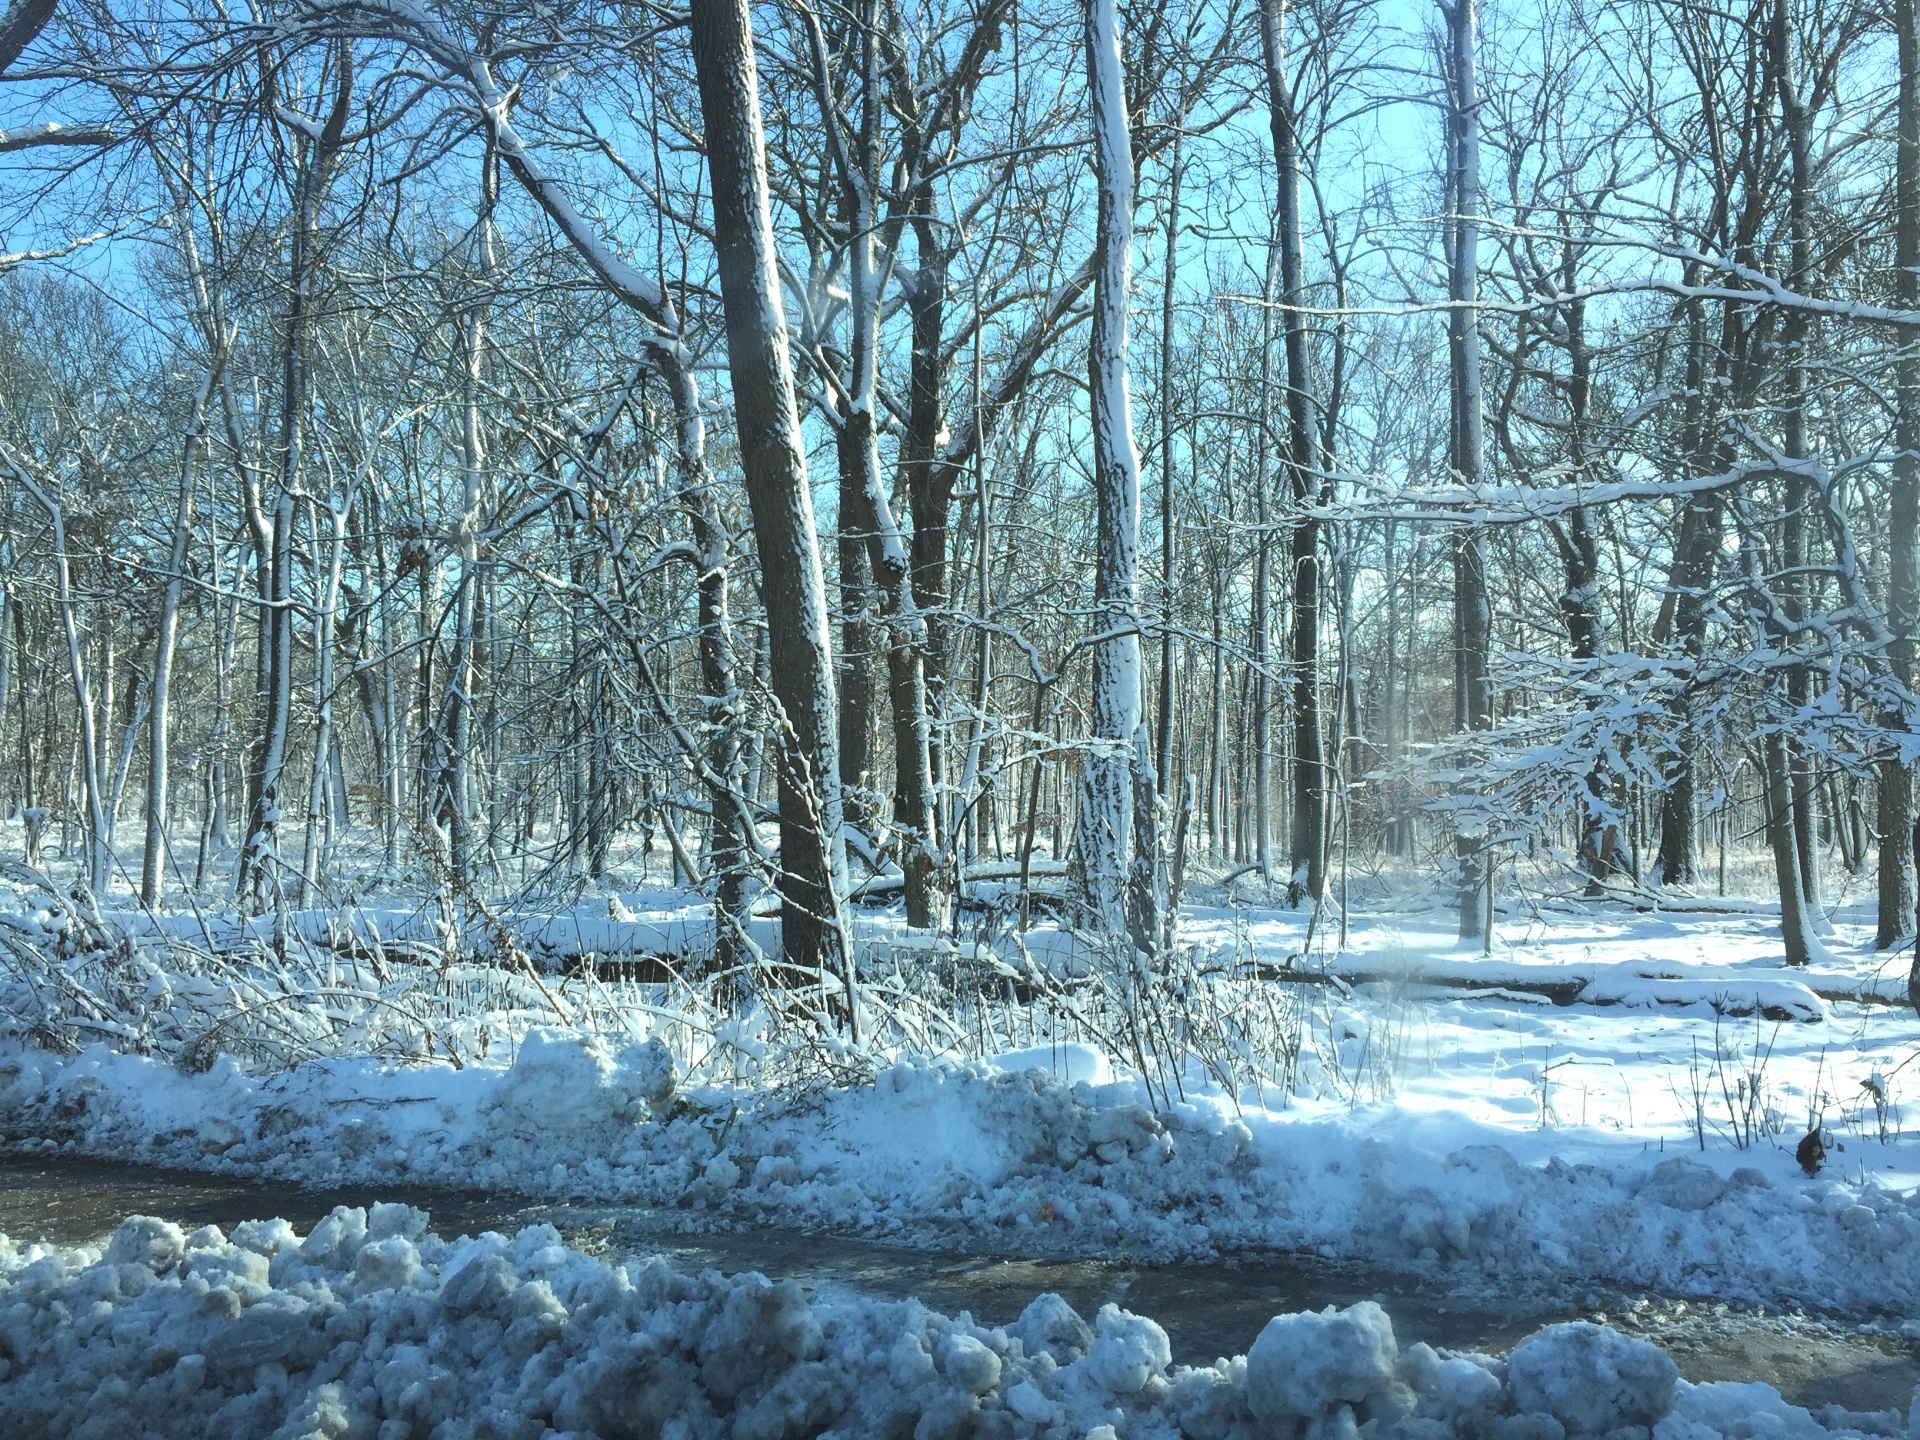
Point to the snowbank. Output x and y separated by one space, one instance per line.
370 1326
1014 1157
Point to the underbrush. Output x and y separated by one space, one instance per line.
465 989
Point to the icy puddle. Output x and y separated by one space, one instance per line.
1206 1310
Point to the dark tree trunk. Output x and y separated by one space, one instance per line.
1306 835
259 874
1472 612
773 460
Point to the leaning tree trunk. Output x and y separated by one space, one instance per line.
773 459
1107 802
1306 835
1896 817
1471 609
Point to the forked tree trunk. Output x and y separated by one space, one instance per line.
259 880
871 512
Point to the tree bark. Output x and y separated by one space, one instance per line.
153 857
454 782
1795 333
1259 619
1107 802
1473 621
1164 716
773 459
98 860
1895 820
258 880
1795 928
1306 833
871 515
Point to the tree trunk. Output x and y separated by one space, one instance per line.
8 665
1896 818
258 880
1793 416
888 561
1168 678
1306 833
153 856
1601 850
929 478
1103 824
1259 620
773 459
1795 929
856 647
97 867
455 781
1471 608
1111 791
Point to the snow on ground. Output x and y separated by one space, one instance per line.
1640 1137
369 1326
1452 1175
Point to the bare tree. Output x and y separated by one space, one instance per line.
774 460
1102 828
1473 620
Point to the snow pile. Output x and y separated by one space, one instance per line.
370 1326
1012 1156
1591 1379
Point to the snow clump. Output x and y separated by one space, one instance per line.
1591 1379
371 1328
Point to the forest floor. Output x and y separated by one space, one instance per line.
1600 1114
